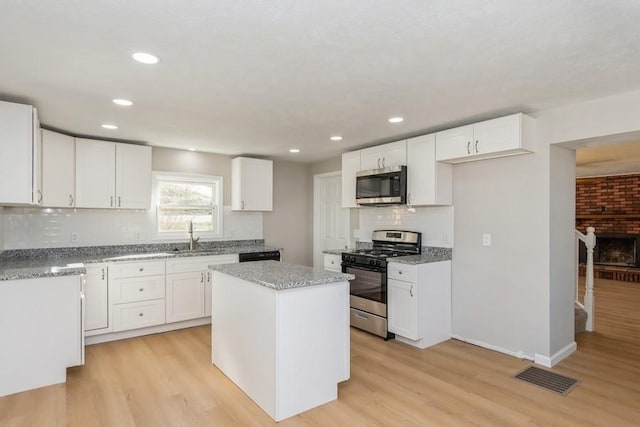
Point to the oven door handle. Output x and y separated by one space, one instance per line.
366 268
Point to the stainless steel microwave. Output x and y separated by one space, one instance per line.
377 187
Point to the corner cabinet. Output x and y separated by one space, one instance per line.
504 136
384 156
428 182
20 156
419 302
112 175
58 170
251 184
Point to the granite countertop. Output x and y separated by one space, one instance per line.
279 275
336 251
429 254
35 263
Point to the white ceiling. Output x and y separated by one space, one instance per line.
260 77
610 159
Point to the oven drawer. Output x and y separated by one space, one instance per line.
404 272
369 322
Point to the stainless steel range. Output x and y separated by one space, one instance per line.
369 266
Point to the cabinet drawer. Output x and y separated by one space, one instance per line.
138 315
406 272
136 289
186 265
135 269
333 262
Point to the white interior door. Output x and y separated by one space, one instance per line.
330 219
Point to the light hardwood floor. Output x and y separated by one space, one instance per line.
168 380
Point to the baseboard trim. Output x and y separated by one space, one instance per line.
550 362
519 354
114 336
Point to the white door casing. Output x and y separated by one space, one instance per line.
330 219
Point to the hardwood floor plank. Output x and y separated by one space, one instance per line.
168 380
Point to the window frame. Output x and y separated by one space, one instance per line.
217 196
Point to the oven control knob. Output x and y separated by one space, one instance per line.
378 263
372 262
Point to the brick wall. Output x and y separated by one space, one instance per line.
611 204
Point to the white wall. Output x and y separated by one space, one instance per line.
290 225
562 247
500 293
435 223
1 229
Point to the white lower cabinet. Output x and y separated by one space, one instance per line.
333 262
136 294
138 314
419 302
96 300
189 286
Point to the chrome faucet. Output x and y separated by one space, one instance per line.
192 241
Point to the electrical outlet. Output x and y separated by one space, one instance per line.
486 239
356 233
138 236
74 237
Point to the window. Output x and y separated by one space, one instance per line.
182 198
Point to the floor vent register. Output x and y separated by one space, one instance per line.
547 380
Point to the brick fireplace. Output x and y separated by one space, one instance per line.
611 204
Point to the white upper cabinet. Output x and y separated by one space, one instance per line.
58 169
133 176
95 173
251 184
19 154
112 175
428 182
350 166
504 136
384 156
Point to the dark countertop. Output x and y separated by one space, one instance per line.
35 263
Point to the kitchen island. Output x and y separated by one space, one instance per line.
280 332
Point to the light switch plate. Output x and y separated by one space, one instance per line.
486 239
74 237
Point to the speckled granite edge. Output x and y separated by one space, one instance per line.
114 250
280 276
35 263
335 251
429 254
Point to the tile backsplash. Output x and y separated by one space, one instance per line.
434 222
27 228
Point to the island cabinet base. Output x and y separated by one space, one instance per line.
286 349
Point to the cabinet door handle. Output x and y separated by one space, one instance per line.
119 201
141 314
70 199
378 163
141 289
362 316
102 274
409 198
111 201
400 273
208 276
383 162
242 204
141 268
468 147
39 197
201 277
476 146
411 291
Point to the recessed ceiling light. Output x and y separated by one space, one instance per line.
396 120
192 149
124 102
336 138
145 58
294 150
107 126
